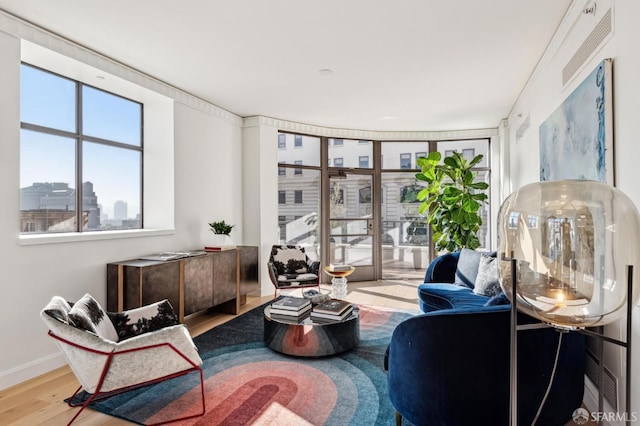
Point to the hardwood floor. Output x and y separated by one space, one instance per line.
39 401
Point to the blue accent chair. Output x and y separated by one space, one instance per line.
450 365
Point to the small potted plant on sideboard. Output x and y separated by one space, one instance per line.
221 231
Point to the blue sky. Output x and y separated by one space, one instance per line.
50 100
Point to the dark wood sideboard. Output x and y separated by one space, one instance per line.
219 279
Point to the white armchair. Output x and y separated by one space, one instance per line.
111 353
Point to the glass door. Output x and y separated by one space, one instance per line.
351 237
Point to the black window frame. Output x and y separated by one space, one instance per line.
80 138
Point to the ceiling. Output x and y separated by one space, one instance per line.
395 65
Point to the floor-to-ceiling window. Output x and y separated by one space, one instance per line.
350 200
370 212
405 237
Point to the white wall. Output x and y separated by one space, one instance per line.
203 184
545 93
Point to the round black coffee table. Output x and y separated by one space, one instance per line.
311 339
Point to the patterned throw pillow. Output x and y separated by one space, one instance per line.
88 315
487 283
58 308
289 260
144 319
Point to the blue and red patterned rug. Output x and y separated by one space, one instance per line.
246 383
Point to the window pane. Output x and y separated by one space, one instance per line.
298 222
104 189
307 150
351 152
405 233
485 212
405 161
468 149
111 117
47 176
391 152
47 99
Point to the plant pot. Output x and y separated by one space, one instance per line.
221 240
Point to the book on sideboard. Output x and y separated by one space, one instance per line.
172 255
219 248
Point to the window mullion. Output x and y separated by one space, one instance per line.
79 192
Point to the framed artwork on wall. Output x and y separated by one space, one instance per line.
576 141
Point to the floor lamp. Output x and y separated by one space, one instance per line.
567 251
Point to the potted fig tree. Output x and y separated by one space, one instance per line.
451 200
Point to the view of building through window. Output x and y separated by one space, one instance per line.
80 156
404 234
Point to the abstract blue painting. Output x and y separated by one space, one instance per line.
576 141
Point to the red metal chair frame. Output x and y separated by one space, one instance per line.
97 395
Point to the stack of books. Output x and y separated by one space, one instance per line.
339 267
290 308
332 310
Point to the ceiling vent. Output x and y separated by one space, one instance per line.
593 41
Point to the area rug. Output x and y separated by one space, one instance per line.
247 383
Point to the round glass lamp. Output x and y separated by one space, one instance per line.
572 241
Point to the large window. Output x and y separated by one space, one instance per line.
80 156
402 232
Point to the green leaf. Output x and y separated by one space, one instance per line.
470 205
476 160
468 178
434 156
479 185
451 162
422 177
424 193
479 197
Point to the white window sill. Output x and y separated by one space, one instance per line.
72 237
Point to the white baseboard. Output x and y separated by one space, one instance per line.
30 370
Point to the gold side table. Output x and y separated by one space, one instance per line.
339 281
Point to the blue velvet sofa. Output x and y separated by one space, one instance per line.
450 365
